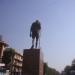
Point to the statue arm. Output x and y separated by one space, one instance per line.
40 26
30 31
39 33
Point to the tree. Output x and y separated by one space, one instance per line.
45 69
8 54
50 71
67 70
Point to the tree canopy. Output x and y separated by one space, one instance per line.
50 71
8 55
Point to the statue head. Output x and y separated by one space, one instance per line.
37 21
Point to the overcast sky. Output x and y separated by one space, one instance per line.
57 19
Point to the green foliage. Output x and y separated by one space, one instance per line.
67 70
50 71
46 68
8 55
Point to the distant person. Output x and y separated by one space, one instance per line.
34 32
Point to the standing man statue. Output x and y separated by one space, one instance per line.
34 32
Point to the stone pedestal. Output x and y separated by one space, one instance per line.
32 62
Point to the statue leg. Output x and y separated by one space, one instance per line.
36 42
32 43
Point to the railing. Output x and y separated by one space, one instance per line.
13 73
3 73
16 73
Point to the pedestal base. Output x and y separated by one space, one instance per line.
32 62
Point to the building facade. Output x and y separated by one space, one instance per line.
16 64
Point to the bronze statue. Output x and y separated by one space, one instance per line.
34 32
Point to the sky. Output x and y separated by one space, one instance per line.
57 18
